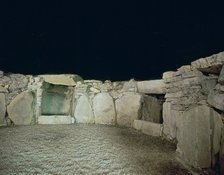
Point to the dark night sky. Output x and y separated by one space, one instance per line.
107 39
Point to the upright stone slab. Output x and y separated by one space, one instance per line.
21 109
195 141
2 109
103 106
171 121
128 109
152 109
83 110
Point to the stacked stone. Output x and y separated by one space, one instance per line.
192 93
187 87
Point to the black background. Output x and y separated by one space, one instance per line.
107 39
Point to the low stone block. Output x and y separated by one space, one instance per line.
54 119
137 124
149 128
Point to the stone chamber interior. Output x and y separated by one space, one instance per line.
123 127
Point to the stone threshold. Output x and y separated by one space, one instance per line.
149 128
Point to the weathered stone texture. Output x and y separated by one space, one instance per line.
221 76
148 128
83 110
151 87
21 109
54 119
2 109
128 109
152 109
212 64
216 99
62 79
171 121
130 86
195 142
104 111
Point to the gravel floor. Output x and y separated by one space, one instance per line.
84 149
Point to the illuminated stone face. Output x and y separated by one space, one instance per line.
56 99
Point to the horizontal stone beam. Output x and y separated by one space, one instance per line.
151 87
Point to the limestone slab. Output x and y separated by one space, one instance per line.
83 111
54 119
104 111
171 120
2 109
151 109
149 128
151 87
21 109
216 99
221 76
128 109
195 143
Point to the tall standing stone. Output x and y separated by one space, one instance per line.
128 109
197 136
83 110
21 109
104 110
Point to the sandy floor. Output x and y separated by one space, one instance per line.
84 149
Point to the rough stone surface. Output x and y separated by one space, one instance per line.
221 76
216 125
62 79
2 109
211 64
195 143
221 154
83 111
128 109
216 99
152 109
19 82
171 121
3 89
151 87
104 111
54 119
130 86
21 109
148 128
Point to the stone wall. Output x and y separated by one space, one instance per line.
186 106
67 98
193 110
